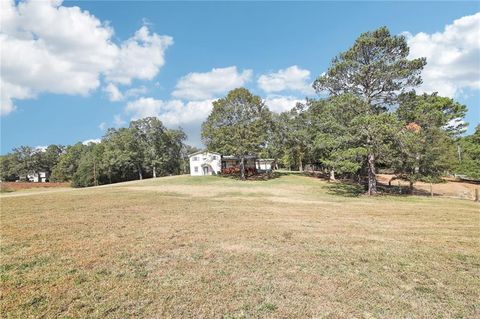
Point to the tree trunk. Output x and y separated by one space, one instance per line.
300 163
372 178
332 175
95 174
417 168
411 187
154 171
391 180
242 168
140 176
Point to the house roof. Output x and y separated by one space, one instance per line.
233 157
203 151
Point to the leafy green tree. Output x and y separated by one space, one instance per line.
122 158
68 162
151 137
375 69
423 154
283 134
50 157
275 146
426 136
8 171
334 136
295 135
26 161
90 171
173 151
433 111
237 125
469 153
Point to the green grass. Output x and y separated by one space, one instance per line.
212 247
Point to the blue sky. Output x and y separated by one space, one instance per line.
199 51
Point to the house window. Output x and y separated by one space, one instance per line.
196 169
195 158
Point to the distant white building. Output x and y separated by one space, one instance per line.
205 163
39 177
264 164
211 163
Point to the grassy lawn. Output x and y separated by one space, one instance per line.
211 247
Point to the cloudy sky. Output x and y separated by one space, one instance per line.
70 70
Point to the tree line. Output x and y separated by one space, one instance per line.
369 117
144 149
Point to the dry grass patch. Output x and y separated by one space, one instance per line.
209 248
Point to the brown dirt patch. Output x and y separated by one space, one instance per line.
449 188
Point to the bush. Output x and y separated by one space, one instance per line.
235 170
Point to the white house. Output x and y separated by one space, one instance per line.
210 163
205 163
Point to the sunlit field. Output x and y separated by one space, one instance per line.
212 247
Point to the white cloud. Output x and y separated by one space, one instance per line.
140 57
208 85
47 47
453 56
134 92
290 79
113 92
280 104
171 113
92 141
115 95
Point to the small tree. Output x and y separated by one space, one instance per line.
237 125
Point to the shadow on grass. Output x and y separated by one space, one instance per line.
404 191
344 189
347 189
257 177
